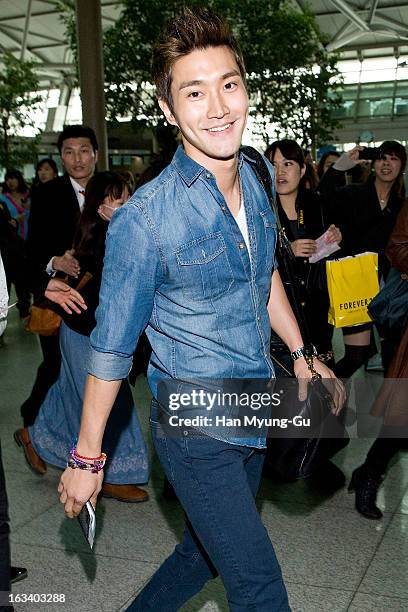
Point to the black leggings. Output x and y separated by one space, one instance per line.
356 356
383 450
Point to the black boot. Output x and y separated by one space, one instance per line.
365 484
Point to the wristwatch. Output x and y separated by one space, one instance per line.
304 351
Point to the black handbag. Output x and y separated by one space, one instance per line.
292 457
390 307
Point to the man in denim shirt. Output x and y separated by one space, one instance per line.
191 256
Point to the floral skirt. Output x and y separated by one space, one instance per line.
58 421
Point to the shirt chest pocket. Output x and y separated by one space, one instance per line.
270 232
204 267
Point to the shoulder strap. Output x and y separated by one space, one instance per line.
285 248
264 177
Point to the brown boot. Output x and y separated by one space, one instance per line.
125 493
22 438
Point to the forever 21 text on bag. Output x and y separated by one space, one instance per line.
352 283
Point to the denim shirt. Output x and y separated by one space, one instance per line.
176 264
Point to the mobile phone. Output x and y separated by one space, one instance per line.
370 153
87 520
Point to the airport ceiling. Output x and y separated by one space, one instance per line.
33 29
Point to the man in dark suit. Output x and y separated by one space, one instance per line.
55 211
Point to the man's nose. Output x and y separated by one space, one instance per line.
217 107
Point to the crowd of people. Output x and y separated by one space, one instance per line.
167 262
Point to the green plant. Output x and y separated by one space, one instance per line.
18 100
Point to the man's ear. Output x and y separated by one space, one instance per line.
96 156
170 118
302 171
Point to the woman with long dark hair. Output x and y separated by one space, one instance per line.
304 216
16 196
366 213
57 424
46 170
14 211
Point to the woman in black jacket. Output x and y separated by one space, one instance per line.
366 214
304 216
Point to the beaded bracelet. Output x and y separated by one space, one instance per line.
91 464
84 466
87 458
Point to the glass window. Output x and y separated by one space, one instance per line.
401 106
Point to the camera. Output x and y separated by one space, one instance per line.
370 153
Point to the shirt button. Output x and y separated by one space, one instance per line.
223 208
302 282
258 318
241 245
208 175
303 304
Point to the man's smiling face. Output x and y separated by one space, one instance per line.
210 103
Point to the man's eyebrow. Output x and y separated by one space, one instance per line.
185 84
227 75
230 74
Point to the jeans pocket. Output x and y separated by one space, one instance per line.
162 449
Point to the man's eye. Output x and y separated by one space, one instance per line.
231 85
194 94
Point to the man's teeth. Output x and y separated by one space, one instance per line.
219 129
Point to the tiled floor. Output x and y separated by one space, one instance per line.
333 560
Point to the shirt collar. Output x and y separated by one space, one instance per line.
190 170
79 191
76 185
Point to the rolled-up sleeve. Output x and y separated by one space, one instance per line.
133 269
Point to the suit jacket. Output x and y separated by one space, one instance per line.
53 220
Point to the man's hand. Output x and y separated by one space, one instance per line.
303 247
60 293
67 263
333 235
76 487
333 384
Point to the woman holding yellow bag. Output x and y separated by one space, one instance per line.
366 215
305 217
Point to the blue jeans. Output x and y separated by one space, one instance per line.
216 483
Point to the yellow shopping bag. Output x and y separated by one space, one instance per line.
352 283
